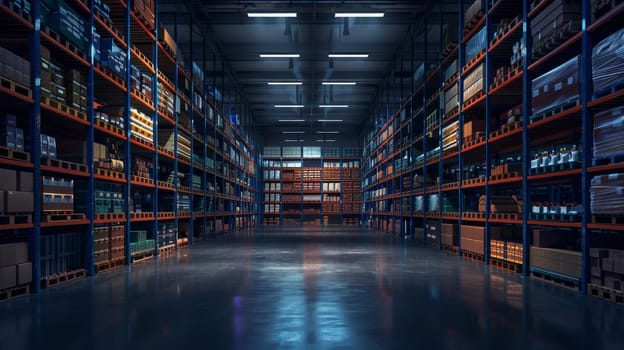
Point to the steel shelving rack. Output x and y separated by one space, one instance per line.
348 198
390 196
208 129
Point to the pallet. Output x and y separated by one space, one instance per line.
449 248
109 265
167 250
142 180
107 72
504 176
450 215
500 80
165 112
475 181
474 98
142 256
110 173
505 216
555 110
555 217
608 219
63 108
477 138
15 87
141 215
15 219
141 96
451 114
472 255
507 265
142 141
165 184
149 24
60 217
450 186
473 215
470 64
145 60
71 166
555 278
14 154
110 216
14 292
450 153
166 215
608 294
110 127
64 42
506 129
62 278
554 168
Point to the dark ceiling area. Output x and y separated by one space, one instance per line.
393 47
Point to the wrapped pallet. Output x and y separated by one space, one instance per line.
608 61
607 194
450 98
449 136
476 44
473 11
556 87
608 133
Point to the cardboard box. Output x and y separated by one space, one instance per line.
24 273
8 276
19 202
473 126
25 181
9 180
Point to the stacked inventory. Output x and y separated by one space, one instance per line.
15 268
16 197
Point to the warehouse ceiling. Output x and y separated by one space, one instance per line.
236 41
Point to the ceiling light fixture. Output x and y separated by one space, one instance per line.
339 83
347 55
330 120
279 55
293 132
325 140
360 14
328 132
290 120
272 14
287 140
288 106
284 83
334 106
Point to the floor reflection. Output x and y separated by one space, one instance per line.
313 289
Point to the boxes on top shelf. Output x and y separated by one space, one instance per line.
553 17
608 133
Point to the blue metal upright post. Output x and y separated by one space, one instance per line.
89 245
587 140
176 221
128 154
155 136
460 117
440 123
488 158
35 145
526 113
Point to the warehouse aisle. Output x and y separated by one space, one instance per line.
337 288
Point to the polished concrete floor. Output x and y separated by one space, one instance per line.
295 288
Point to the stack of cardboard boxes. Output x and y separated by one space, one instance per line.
472 238
15 269
11 136
16 192
58 194
607 268
14 67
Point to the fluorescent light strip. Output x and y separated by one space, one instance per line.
330 120
339 83
288 106
328 132
290 120
347 55
293 132
284 83
294 140
334 106
279 55
360 14
271 14
325 140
